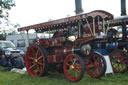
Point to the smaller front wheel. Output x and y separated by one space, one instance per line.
74 67
95 65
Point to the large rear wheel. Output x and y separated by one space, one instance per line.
117 58
74 67
36 60
95 65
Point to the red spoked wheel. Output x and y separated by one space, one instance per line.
117 58
74 67
95 65
36 61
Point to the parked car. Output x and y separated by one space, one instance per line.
8 48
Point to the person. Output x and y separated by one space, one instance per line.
12 59
5 63
17 61
1 52
57 34
2 60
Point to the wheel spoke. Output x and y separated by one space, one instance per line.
71 60
121 66
39 68
98 60
37 53
97 70
76 74
68 64
70 72
33 52
32 66
40 63
102 62
40 57
74 60
77 70
31 58
118 66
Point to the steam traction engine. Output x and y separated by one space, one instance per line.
78 43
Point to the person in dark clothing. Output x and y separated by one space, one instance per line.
12 59
2 60
5 63
17 61
1 52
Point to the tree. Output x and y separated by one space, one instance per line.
2 37
5 5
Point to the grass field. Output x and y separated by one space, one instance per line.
8 78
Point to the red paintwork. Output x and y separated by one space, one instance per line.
55 59
34 59
60 54
60 50
51 42
79 42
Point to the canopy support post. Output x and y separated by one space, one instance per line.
94 32
36 34
27 38
79 30
89 27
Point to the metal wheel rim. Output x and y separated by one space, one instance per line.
95 66
35 61
72 65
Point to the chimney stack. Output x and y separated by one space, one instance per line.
78 6
123 12
123 7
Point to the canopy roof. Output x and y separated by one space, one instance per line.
118 21
68 21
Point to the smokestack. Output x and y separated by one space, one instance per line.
123 12
123 7
78 6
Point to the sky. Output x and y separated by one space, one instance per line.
29 12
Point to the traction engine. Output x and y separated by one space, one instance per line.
78 43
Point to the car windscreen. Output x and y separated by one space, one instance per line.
6 45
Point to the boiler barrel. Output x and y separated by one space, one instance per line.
113 45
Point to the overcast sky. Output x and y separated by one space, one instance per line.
28 12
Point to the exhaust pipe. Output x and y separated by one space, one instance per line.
78 6
123 7
123 12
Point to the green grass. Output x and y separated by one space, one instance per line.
8 78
